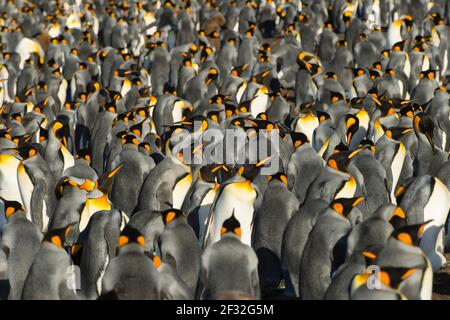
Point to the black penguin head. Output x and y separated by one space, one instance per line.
11 207
344 206
130 139
368 144
217 99
358 72
393 276
172 214
137 129
429 74
340 160
238 70
342 44
335 97
409 23
212 76
216 173
58 236
397 218
346 17
410 234
130 235
231 225
280 176
423 124
251 171
216 116
61 131
407 111
399 46
351 126
323 116
84 154
386 108
28 151
330 75
298 139
205 54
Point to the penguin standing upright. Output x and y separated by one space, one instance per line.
330 235
102 235
220 259
50 272
179 247
21 240
36 187
277 207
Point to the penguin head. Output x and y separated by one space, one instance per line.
130 235
205 54
410 234
84 154
298 139
336 97
386 108
392 277
231 226
171 214
28 151
397 218
407 111
358 72
213 74
423 124
216 115
367 144
429 74
344 206
399 46
341 160
238 70
346 17
251 171
130 139
216 173
12 207
323 116
279 176
58 236
61 131
408 22
217 99
330 76
370 254
260 77
351 126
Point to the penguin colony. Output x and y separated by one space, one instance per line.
96 204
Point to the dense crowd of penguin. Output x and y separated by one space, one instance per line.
96 204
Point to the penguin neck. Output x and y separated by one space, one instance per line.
131 248
342 174
17 216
